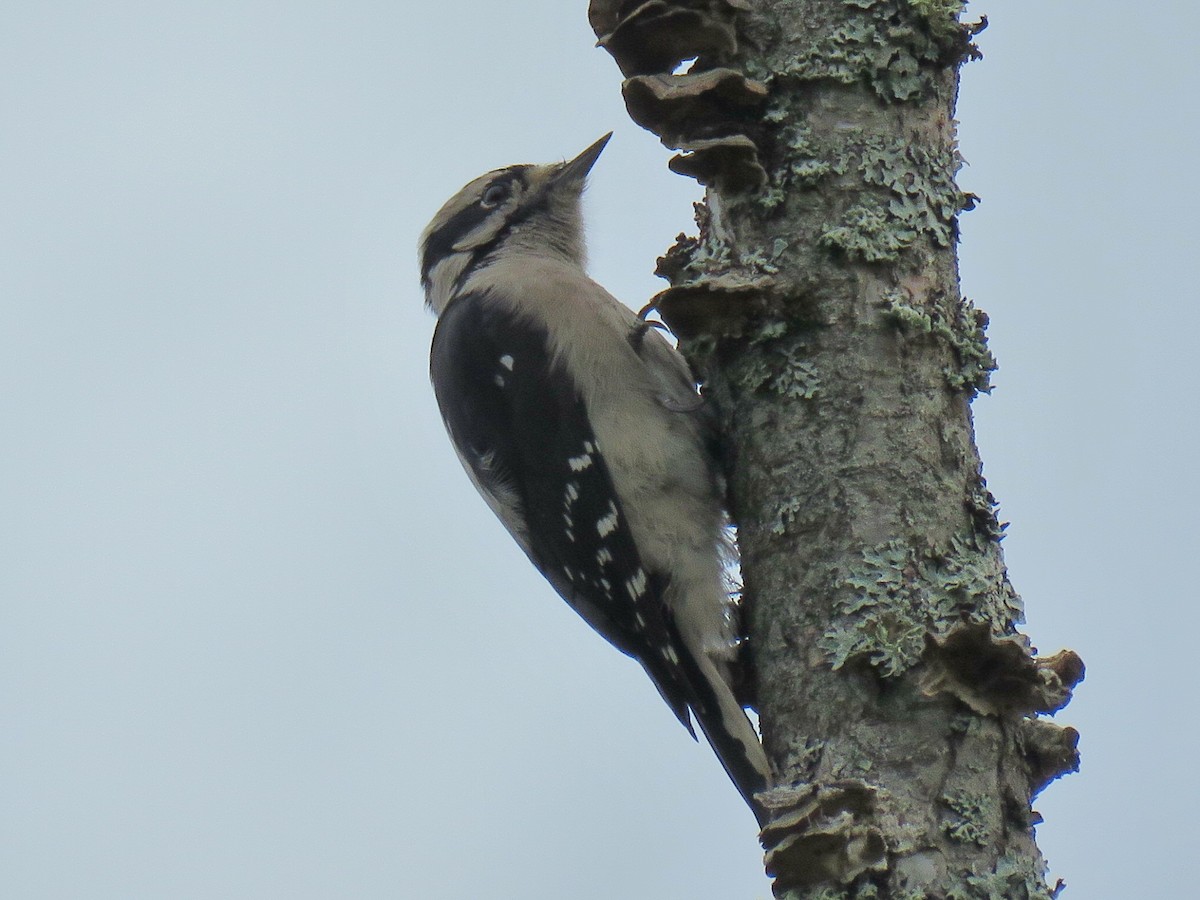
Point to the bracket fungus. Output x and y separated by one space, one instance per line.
657 35
695 104
730 164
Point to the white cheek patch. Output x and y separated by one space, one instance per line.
442 279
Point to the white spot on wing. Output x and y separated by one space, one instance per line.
585 459
608 524
507 361
569 497
636 586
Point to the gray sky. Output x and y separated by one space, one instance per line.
259 638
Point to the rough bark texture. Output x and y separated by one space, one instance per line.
820 301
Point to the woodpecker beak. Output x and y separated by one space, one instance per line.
576 170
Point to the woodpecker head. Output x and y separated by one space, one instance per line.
518 209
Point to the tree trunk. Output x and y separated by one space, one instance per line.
820 301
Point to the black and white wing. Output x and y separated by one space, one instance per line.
522 431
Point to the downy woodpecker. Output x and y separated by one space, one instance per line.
582 428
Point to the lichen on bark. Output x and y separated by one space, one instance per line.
820 301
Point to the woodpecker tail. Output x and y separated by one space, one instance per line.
729 732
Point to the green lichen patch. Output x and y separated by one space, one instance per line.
897 595
911 193
976 362
964 331
899 309
940 16
804 161
923 193
797 379
777 362
765 260
707 263
967 818
770 197
786 515
908 192
692 257
894 46
978 586
853 764
751 371
1013 878
865 891
769 331
885 616
983 506
868 233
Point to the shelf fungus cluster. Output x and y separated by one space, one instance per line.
683 82
822 833
702 112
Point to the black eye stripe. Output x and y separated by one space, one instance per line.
441 242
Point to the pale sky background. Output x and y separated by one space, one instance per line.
258 636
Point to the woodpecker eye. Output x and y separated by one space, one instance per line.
494 195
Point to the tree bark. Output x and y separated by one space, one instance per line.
820 301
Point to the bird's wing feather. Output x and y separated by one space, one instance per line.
521 429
